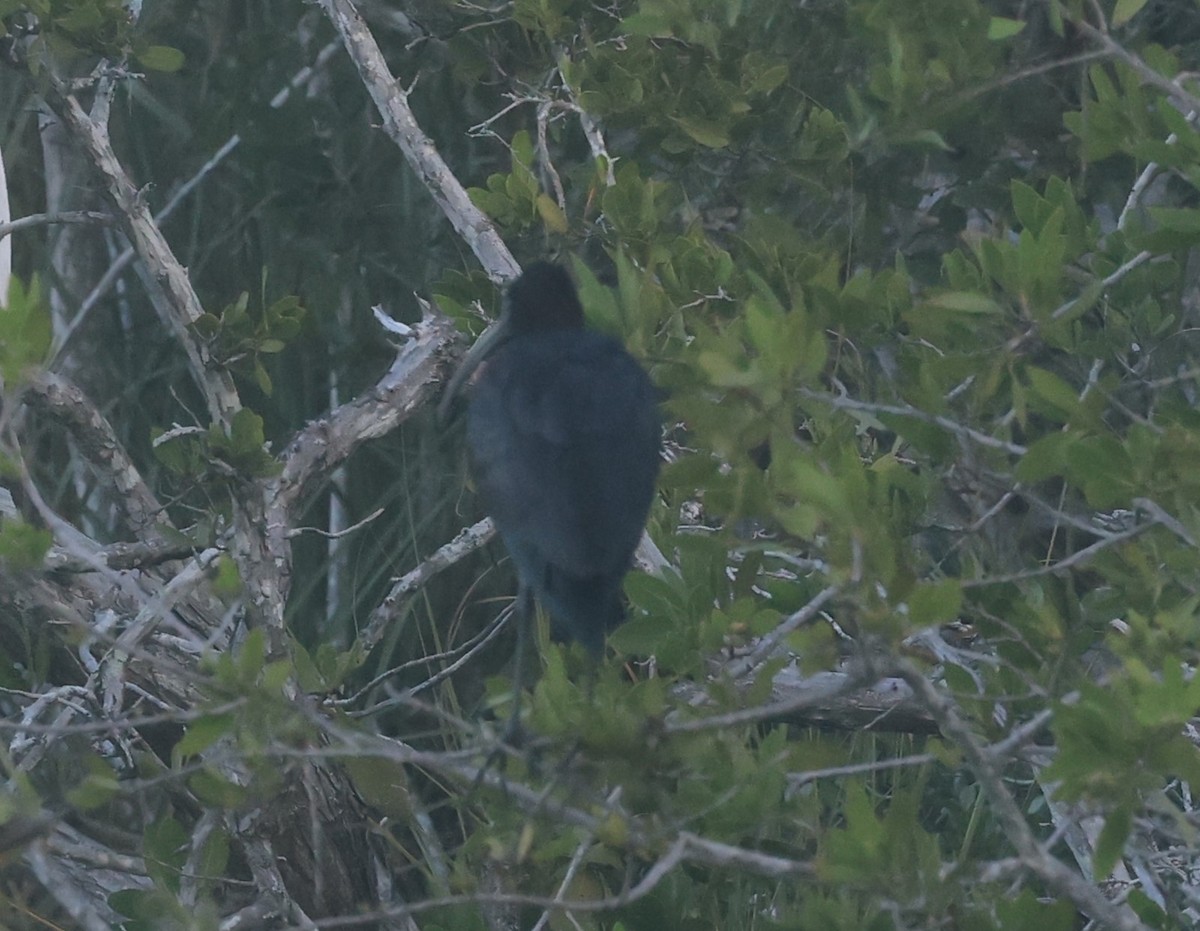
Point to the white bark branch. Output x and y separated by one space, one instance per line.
401 126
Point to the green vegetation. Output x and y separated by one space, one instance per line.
920 282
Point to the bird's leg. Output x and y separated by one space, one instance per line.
525 619
523 612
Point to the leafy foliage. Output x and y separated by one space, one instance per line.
918 281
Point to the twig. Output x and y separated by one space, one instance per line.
89 910
1058 877
98 442
817 691
1079 556
34 220
585 844
323 444
151 613
767 645
391 100
485 636
842 402
121 556
796 780
182 305
469 540
543 154
1019 736
1169 86
122 261
345 531
1067 306
5 242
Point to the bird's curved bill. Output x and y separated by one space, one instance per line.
488 340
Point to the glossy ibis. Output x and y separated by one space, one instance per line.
564 432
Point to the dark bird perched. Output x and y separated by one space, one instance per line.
564 435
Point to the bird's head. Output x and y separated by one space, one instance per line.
541 299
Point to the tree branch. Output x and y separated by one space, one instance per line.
35 220
65 402
401 126
322 445
182 305
1058 877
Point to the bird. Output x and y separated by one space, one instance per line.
564 437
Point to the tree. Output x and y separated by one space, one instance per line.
915 640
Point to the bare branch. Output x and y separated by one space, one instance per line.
74 888
322 445
98 442
122 261
796 780
155 610
1170 86
469 540
35 220
841 402
5 242
853 699
793 622
391 100
576 861
1058 877
182 305
121 556
1078 557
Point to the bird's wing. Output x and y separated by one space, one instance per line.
565 446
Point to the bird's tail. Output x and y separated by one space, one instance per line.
583 609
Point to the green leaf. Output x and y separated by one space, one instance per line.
160 58
927 138
261 378
654 25
246 431
1030 207
1111 842
214 789
275 675
1148 910
599 302
228 581
965 302
1081 305
22 545
1101 464
98 787
1053 390
1045 457
201 734
143 906
705 132
166 849
1001 27
1175 228
1026 911
1124 11
551 214
1054 15
934 602
639 636
25 331
214 855
382 783
251 656
929 437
